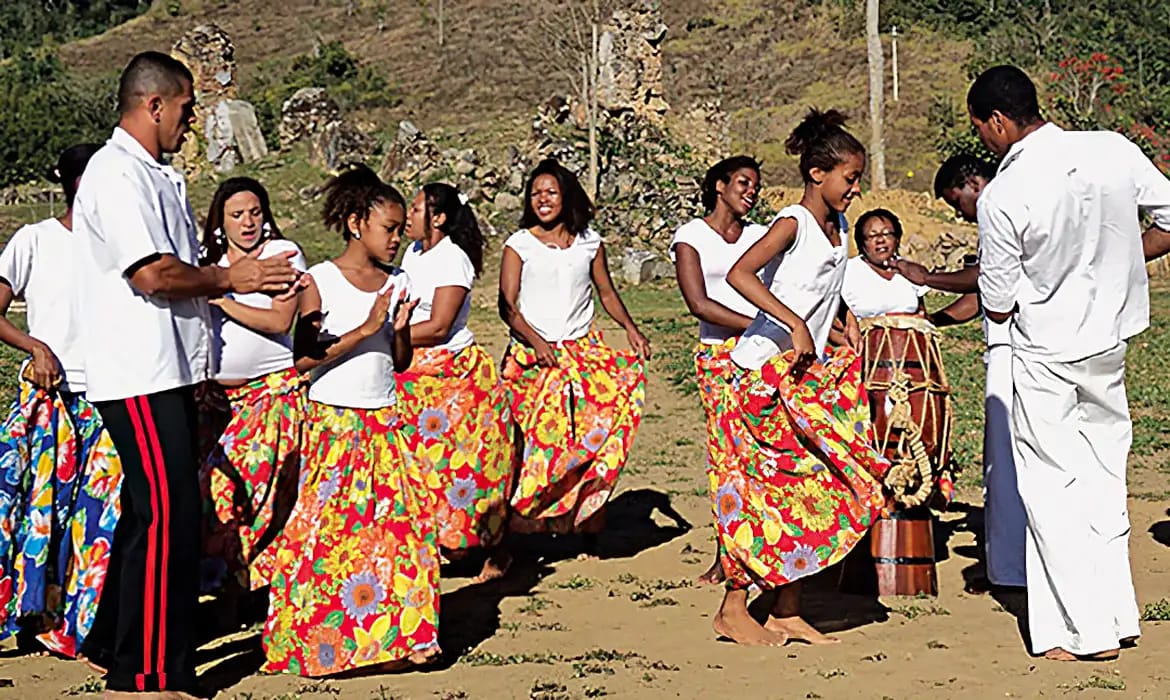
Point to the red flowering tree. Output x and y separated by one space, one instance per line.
1085 91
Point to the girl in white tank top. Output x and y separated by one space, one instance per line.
359 548
253 408
576 401
802 487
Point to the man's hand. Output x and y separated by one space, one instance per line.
910 270
273 275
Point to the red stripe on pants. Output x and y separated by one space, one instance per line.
164 565
148 612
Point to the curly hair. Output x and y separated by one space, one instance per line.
354 192
821 141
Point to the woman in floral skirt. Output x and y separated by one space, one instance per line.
451 394
576 402
799 479
60 478
704 250
250 474
355 581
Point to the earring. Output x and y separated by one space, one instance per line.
265 230
220 239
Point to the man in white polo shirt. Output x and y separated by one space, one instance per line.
144 332
1063 258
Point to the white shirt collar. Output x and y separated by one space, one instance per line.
1039 135
131 145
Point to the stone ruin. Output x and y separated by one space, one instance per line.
314 117
228 131
630 62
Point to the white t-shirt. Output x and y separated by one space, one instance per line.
868 294
38 264
237 351
556 284
131 207
806 278
444 265
364 377
716 257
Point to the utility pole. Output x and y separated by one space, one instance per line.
894 59
877 74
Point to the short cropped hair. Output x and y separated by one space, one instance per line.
151 73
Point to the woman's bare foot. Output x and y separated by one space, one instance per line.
714 576
1059 654
798 630
420 657
494 567
93 666
734 622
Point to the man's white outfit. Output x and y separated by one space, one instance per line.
1060 242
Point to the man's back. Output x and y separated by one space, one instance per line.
1061 236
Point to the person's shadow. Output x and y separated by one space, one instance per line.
1161 531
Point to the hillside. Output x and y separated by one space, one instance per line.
766 61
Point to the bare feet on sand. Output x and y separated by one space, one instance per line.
1059 654
494 567
93 666
714 576
797 630
734 622
418 658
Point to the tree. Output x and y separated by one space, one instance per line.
877 148
572 32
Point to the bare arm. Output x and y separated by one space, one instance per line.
961 310
743 275
277 320
167 276
613 305
45 365
312 351
964 281
445 306
689 274
1155 243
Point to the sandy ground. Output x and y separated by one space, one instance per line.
635 625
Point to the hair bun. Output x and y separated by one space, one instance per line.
812 129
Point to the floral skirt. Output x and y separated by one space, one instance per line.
249 478
60 488
355 577
577 424
714 371
459 411
798 479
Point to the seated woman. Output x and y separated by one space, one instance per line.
870 287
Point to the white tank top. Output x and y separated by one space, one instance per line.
556 284
806 278
364 377
238 352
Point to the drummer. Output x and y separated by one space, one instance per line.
871 288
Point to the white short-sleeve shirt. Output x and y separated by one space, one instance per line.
130 208
364 377
444 265
39 266
716 258
806 278
868 294
237 351
556 284
1060 236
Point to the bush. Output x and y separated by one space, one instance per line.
46 112
330 66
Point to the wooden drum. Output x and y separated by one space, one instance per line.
910 402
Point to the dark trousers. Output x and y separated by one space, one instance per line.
144 630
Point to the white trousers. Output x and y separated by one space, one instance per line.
1004 518
1073 433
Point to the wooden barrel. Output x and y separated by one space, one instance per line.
902 547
